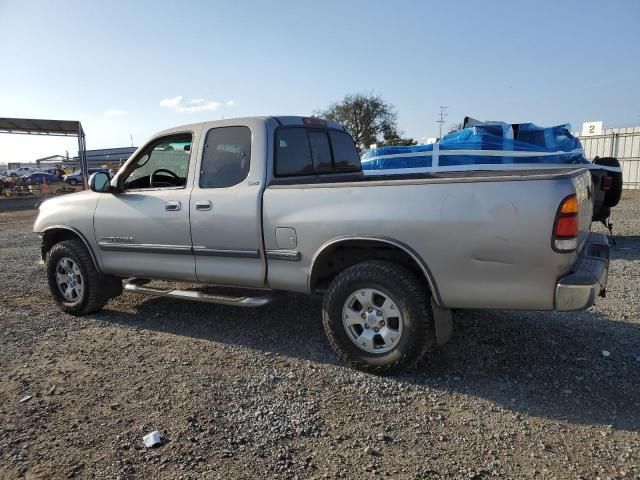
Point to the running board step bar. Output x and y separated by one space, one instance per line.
136 285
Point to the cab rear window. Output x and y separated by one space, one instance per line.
308 151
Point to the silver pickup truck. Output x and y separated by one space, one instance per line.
273 204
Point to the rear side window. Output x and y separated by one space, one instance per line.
302 151
226 157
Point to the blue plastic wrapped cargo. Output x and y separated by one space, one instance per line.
471 148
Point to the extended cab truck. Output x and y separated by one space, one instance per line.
281 203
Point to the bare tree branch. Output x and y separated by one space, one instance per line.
367 117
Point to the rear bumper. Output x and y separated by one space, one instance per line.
588 278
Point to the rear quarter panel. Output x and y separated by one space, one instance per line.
487 243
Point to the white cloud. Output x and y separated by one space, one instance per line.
114 112
171 102
181 104
230 103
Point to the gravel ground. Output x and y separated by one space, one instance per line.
259 394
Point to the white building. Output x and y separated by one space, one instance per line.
622 143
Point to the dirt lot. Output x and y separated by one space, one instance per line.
259 394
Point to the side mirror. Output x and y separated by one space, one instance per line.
100 182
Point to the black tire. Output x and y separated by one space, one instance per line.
73 182
611 197
413 299
97 288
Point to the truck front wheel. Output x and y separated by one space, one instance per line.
77 287
378 318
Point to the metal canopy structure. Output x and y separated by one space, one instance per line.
53 128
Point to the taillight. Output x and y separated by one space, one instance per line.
606 183
565 228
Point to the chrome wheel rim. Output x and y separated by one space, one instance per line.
69 280
372 320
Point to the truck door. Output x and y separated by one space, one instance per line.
226 212
143 228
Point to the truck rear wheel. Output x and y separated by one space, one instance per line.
378 318
77 287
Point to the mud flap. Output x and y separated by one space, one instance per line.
443 319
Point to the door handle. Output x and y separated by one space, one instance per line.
172 205
203 205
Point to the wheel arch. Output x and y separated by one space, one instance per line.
350 250
59 233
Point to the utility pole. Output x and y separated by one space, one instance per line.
443 109
131 135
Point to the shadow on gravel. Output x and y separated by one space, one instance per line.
546 364
627 247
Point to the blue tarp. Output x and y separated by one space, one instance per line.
523 143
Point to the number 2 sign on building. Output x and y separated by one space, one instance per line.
591 128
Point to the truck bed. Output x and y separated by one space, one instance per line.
484 175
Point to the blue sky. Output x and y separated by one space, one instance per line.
111 64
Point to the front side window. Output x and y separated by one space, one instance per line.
163 164
226 157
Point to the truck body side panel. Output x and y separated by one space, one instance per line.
487 243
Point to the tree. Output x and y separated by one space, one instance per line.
366 117
392 137
455 128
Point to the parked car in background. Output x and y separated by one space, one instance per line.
37 178
75 178
21 171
